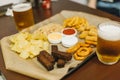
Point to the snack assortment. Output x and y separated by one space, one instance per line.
37 44
86 31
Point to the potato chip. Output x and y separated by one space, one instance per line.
28 45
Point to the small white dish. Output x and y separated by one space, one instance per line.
69 32
69 41
55 37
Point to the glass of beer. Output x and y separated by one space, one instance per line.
108 47
23 15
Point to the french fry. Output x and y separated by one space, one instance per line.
91 42
83 34
91 38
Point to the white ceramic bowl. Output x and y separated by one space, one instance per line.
69 41
55 37
69 32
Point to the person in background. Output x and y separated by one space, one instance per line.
110 6
92 3
89 3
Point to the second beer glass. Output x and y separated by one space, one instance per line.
108 47
23 15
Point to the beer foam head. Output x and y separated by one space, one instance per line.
109 32
21 7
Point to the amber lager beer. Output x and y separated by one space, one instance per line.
23 15
108 47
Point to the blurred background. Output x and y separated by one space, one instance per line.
110 6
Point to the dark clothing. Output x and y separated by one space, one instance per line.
110 7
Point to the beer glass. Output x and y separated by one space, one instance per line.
108 47
23 15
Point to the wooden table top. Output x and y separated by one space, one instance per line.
92 70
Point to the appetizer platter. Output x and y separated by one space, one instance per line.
50 48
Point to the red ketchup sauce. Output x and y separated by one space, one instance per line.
69 31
